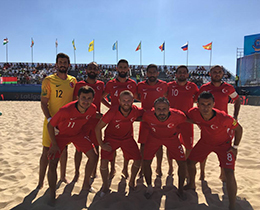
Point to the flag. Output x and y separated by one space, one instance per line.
138 47
56 43
91 46
32 43
185 46
73 44
207 46
5 41
8 80
114 47
162 47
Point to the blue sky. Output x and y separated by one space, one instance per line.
225 22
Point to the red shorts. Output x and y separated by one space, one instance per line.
202 150
186 134
128 146
173 145
90 127
143 132
80 141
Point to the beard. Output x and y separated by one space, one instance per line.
63 70
152 79
126 108
122 74
92 75
181 79
216 80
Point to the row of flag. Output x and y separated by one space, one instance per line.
114 47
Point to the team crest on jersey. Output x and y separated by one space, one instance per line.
98 88
71 84
188 87
170 125
158 89
214 127
129 86
224 90
132 119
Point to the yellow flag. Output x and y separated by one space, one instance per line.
91 46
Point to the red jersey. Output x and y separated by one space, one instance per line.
70 121
149 93
182 97
221 94
217 130
166 129
120 127
114 88
98 87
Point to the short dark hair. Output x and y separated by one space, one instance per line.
93 63
216 66
62 55
122 61
161 100
206 95
151 66
86 89
182 66
127 93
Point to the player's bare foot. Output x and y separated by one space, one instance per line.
158 172
112 174
64 180
39 186
76 177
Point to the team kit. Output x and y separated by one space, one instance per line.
167 115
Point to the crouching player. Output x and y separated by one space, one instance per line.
70 121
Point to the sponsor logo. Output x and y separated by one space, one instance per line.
58 85
118 121
145 89
152 124
114 86
73 118
229 164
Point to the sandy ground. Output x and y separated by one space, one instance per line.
20 150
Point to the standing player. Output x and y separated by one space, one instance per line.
181 95
70 121
119 133
148 91
217 131
57 90
114 88
98 86
163 121
221 92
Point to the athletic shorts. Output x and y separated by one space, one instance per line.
128 146
143 132
202 150
90 128
80 141
186 135
46 141
173 145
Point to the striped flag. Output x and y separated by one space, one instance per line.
162 47
5 41
56 43
32 43
114 47
138 47
73 44
185 46
207 46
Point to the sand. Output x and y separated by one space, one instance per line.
20 150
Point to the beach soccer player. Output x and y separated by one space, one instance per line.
71 122
163 122
222 92
119 134
181 95
217 131
147 91
114 87
57 90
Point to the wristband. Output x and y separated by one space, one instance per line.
49 119
235 146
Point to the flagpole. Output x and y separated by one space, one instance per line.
116 51
93 50
210 56
187 53
141 54
164 54
56 44
6 49
32 50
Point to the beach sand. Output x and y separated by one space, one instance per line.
20 150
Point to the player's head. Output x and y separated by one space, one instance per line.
152 72
122 68
62 63
161 108
216 73
182 73
92 70
85 97
126 100
206 103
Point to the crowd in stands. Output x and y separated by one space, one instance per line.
27 73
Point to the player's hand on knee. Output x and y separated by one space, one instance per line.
52 151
